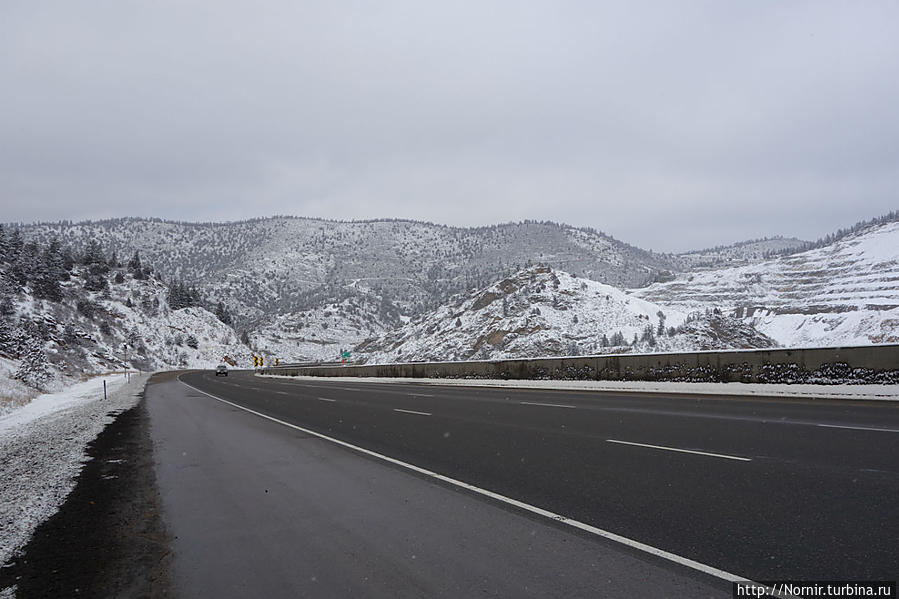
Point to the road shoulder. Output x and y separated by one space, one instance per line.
107 539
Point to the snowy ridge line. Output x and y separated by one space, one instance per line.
761 390
43 452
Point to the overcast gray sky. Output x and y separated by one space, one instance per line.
670 125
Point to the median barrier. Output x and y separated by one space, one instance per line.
876 364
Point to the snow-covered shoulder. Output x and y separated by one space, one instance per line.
43 448
80 393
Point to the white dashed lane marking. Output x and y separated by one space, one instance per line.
411 412
548 405
705 453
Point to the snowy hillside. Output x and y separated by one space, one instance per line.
61 320
543 312
270 266
845 293
321 333
744 252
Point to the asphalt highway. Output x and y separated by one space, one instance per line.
764 489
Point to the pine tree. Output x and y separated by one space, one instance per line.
93 254
68 260
178 297
46 286
135 266
96 282
14 246
34 369
4 244
222 313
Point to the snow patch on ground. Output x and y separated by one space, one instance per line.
42 449
856 392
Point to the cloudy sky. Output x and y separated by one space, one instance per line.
670 125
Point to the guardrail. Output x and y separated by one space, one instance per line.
829 365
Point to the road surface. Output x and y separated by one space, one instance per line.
716 487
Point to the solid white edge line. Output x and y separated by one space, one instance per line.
661 553
548 405
412 412
861 428
714 455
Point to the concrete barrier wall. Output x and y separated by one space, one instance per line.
833 365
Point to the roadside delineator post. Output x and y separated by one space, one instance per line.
104 388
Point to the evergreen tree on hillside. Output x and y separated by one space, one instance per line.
54 260
135 266
96 282
14 246
222 314
46 286
181 296
48 272
93 254
68 260
34 370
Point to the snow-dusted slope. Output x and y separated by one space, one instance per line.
846 293
321 333
744 252
540 312
48 344
267 266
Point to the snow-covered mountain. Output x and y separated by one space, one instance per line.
304 288
845 293
545 312
282 265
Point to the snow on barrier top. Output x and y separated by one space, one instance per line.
873 364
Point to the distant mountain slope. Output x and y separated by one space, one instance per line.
321 333
271 266
544 312
843 293
744 252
